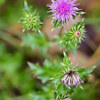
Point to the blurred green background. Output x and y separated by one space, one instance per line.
17 82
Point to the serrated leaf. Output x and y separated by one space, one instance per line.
45 72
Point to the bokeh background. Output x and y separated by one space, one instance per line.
17 82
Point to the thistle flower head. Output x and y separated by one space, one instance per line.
71 78
63 10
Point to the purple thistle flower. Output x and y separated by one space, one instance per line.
63 10
71 78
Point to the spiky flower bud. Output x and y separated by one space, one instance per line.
30 19
73 37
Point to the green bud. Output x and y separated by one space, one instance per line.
73 37
30 19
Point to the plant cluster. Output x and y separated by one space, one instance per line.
60 74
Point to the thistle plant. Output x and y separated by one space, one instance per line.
31 23
64 77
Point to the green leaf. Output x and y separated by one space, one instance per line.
83 72
66 64
46 72
26 8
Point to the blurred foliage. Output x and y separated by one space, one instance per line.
10 12
17 81
37 42
2 2
13 77
85 94
93 15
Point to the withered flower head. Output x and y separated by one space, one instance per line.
71 78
